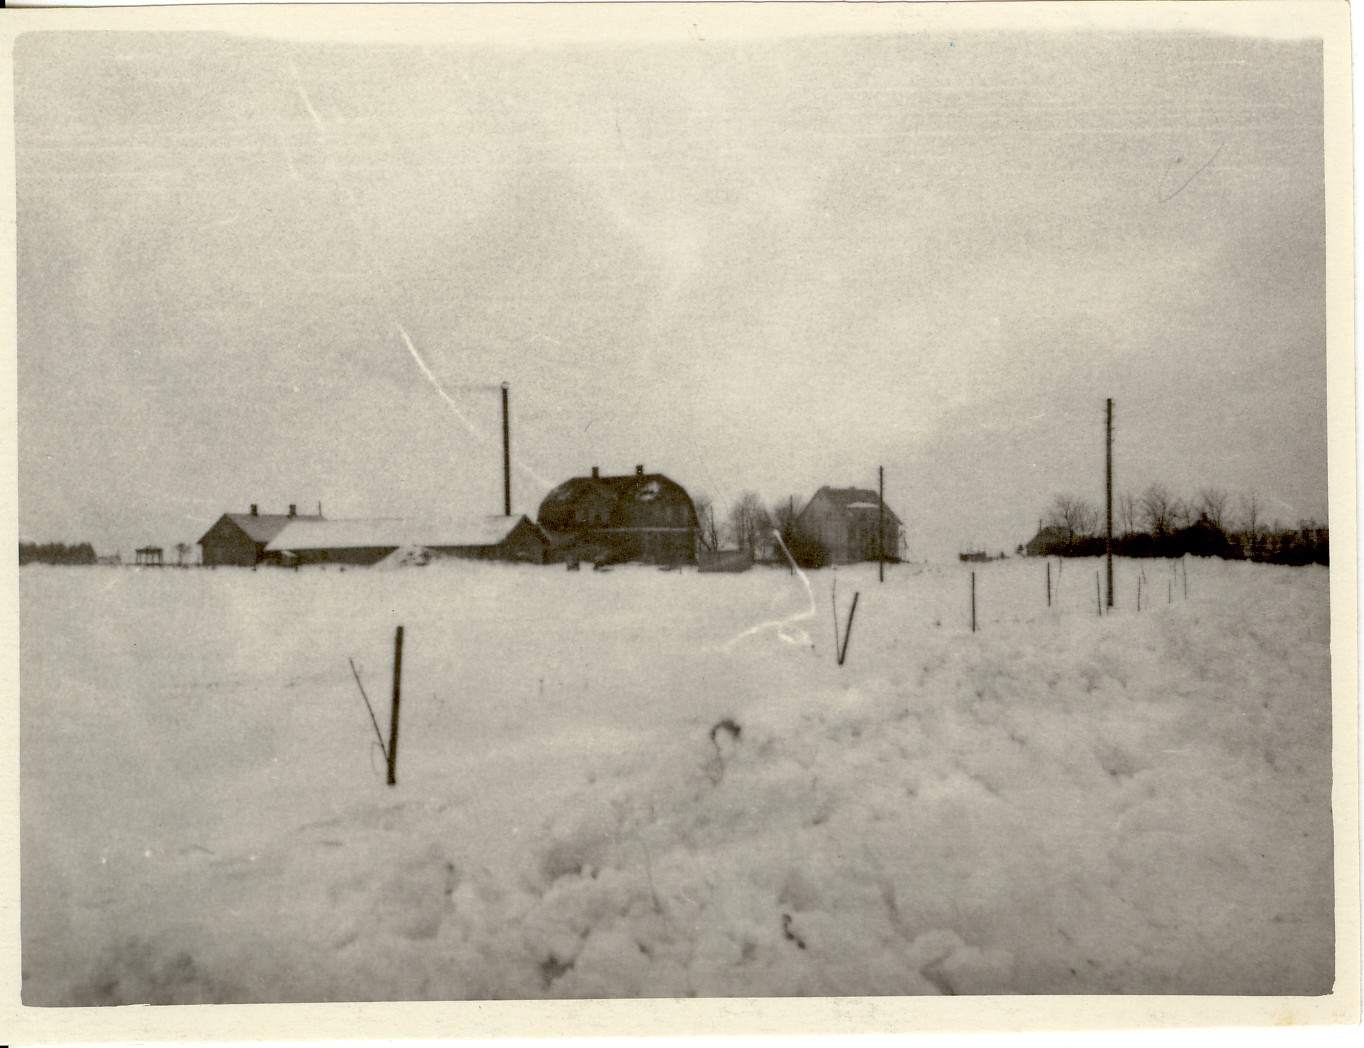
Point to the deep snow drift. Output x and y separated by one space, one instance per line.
1059 803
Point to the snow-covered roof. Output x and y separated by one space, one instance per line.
262 527
374 533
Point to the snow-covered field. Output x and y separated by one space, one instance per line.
1059 803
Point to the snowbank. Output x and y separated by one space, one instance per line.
613 784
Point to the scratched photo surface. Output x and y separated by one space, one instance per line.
628 519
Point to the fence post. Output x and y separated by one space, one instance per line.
393 723
847 636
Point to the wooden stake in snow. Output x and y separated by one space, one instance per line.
1108 487
1049 583
393 723
880 524
847 635
973 602
1098 595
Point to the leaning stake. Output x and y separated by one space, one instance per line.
393 723
847 636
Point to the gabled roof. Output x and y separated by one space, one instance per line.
260 527
1047 533
855 500
381 533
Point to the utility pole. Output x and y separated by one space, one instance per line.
506 456
881 522
1108 462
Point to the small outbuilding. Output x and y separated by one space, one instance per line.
240 539
640 516
1048 540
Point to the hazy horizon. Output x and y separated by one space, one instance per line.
762 265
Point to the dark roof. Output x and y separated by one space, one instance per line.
262 527
1047 533
557 507
855 500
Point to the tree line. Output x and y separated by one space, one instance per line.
56 553
1157 523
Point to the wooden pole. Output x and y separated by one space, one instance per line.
506 455
1098 595
1184 564
881 522
973 602
1108 538
847 635
1049 582
393 722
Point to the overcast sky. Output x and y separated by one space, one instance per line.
748 265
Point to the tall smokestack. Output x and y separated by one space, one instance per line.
506 456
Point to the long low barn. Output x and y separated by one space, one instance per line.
362 542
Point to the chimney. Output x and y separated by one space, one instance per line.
293 510
253 509
639 471
596 473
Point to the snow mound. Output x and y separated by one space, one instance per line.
625 805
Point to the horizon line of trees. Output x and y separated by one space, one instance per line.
56 553
1157 523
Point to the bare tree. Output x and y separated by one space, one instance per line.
705 516
783 516
1159 509
748 520
1129 513
182 551
1074 517
1250 514
1212 504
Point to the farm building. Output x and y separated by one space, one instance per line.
845 524
240 538
644 516
362 542
1048 540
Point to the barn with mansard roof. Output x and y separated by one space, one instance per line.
640 516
